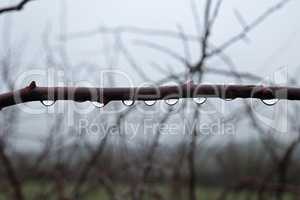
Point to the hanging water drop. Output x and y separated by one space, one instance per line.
270 102
128 102
98 104
171 102
229 99
48 103
150 102
200 100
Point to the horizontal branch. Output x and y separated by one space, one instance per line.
187 90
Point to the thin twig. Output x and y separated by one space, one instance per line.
16 7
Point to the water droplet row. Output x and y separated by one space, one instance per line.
170 102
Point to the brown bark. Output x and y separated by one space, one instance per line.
105 95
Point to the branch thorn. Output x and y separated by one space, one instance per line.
32 85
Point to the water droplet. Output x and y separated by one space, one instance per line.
228 99
128 102
150 102
98 104
171 102
48 103
200 100
270 102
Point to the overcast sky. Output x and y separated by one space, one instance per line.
271 45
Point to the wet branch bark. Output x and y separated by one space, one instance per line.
105 95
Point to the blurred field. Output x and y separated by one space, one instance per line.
31 190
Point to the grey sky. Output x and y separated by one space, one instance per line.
273 44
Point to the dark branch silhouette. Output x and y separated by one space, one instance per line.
187 90
16 7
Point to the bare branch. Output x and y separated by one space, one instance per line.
105 95
11 174
249 27
17 7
